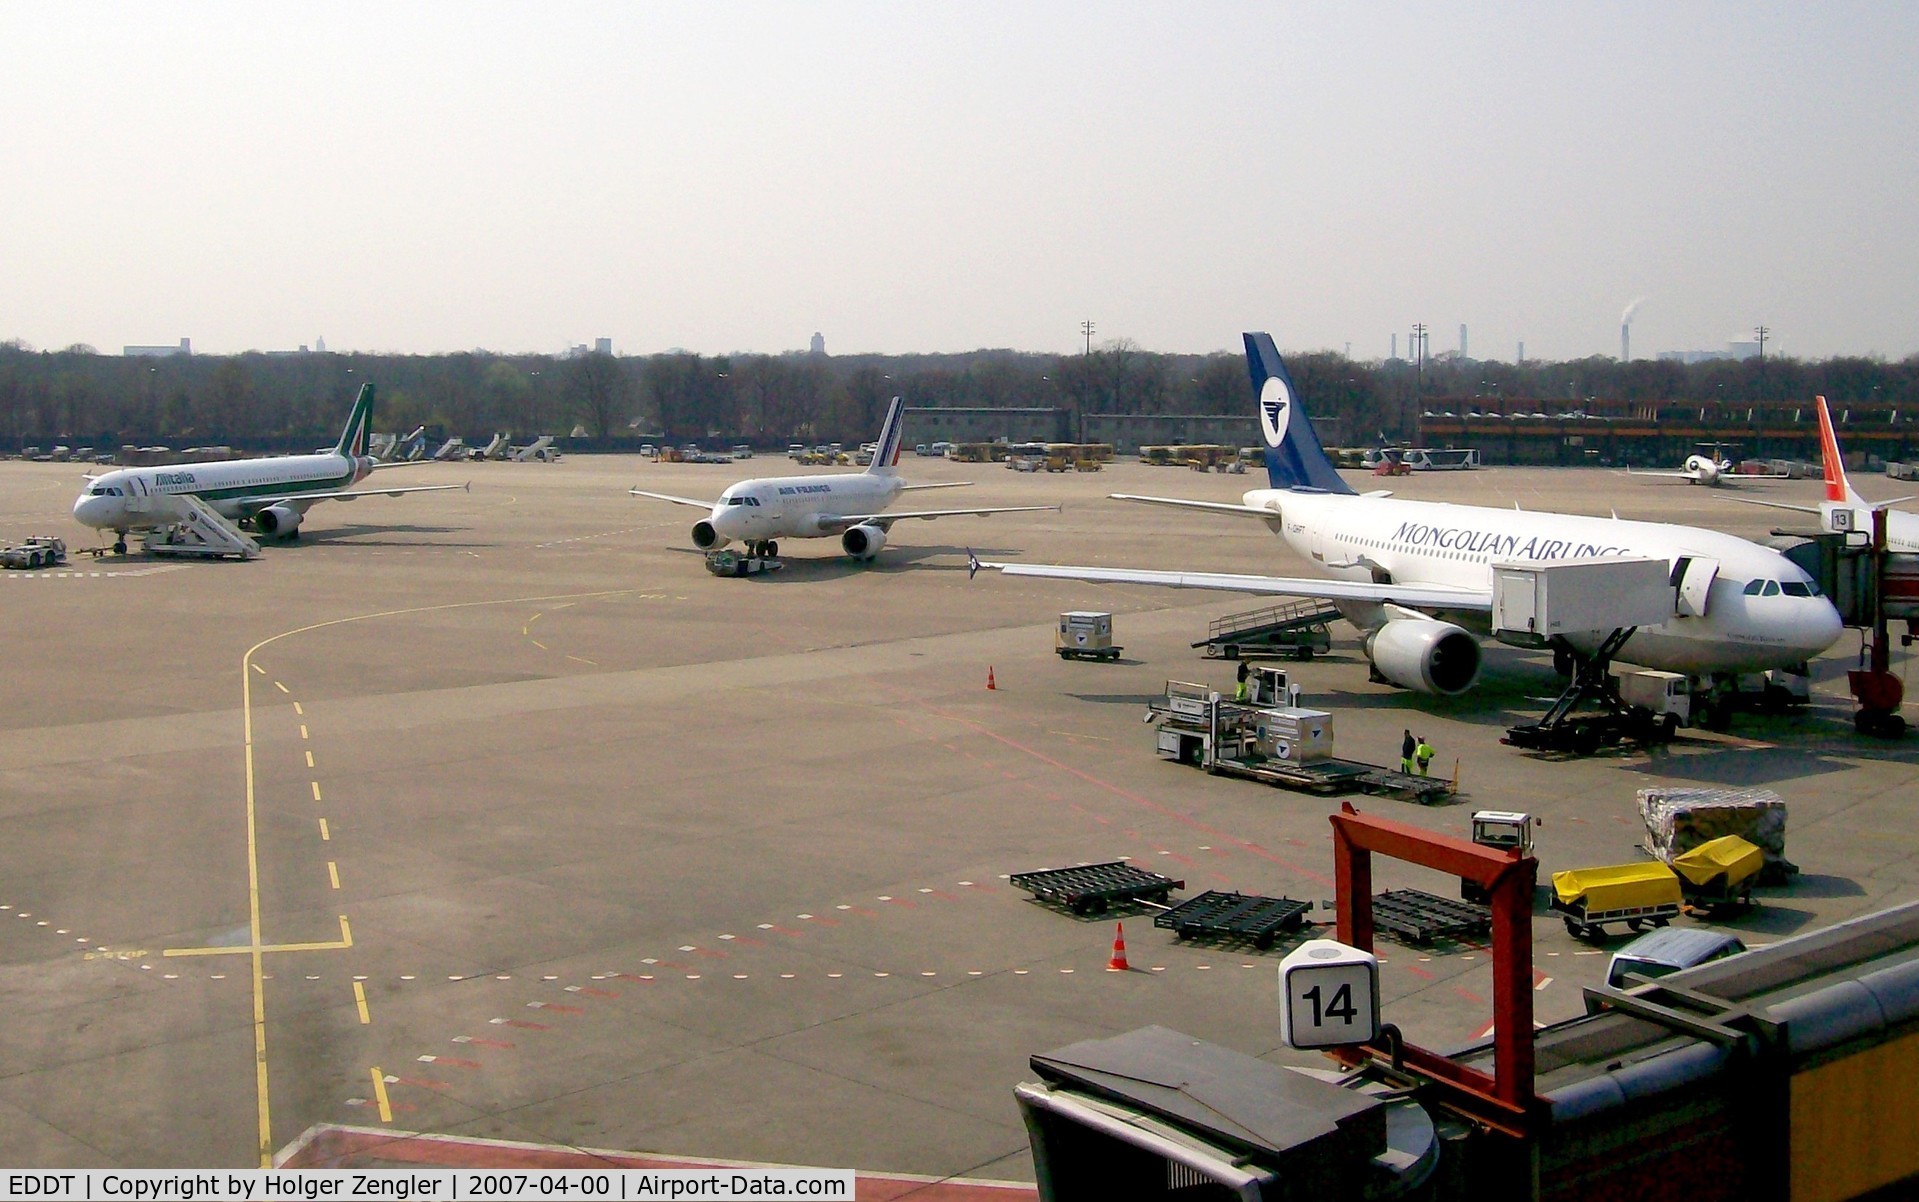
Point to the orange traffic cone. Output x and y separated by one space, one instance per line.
989 677
1118 962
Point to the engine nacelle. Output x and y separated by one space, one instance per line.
278 519
1425 656
705 537
863 542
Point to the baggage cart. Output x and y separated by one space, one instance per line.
1635 894
1420 917
1719 874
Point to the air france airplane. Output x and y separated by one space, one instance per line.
1412 575
1844 509
849 504
271 494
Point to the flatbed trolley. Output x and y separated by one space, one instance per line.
1223 914
1091 888
1420 917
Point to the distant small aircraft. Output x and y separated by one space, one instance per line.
1844 510
1711 468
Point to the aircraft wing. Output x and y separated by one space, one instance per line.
1778 505
349 494
1416 596
947 484
885 520
1661 475
1252 511
661 496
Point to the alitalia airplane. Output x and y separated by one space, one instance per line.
271 494
1416 577
1844 509
851 505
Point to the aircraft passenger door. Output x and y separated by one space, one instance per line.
1692 577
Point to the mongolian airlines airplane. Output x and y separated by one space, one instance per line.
850 504
1412 574
1844 509
271 494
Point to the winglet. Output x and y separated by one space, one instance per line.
972 564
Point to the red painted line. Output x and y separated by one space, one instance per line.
1173 855
1469 995
676 966
901 901
943 895
863 910
748 940
824 921
476 1041
588 991
1421 973
707 951
453 1061
524 1025
556 1007
1222 878
779 930
420 1084
1538 977
627 976
1483 1032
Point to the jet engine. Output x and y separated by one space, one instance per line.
705 537
279 519
1426 656
863 542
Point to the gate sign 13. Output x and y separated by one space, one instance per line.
1328 995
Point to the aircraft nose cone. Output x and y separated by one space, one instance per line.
1823 627
86 511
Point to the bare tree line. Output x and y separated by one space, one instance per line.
297 401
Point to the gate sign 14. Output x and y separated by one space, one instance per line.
1328 995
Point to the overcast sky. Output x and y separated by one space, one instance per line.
916 177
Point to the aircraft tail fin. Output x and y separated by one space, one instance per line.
886 452
1294 456
353 439
1838 488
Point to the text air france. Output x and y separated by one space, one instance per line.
1500 546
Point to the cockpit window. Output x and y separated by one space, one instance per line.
1753 587
1772 589
736 500
1797 588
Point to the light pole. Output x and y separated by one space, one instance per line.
1760 333
1086 328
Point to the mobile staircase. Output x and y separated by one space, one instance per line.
1295 628
199 531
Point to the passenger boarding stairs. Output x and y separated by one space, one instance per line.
198 530
1292 628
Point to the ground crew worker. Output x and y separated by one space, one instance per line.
1243 693
1407 747
1425 753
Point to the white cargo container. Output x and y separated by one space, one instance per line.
1085 634
1534 599
1293 734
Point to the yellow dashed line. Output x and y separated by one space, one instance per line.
379 1094
359 999
298 710
577 659
309 759
333 873
259 669
303 730
325 834
316 790
281 687
539 644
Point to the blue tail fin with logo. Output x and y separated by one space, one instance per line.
1294 456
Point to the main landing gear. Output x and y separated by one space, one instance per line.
764 548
